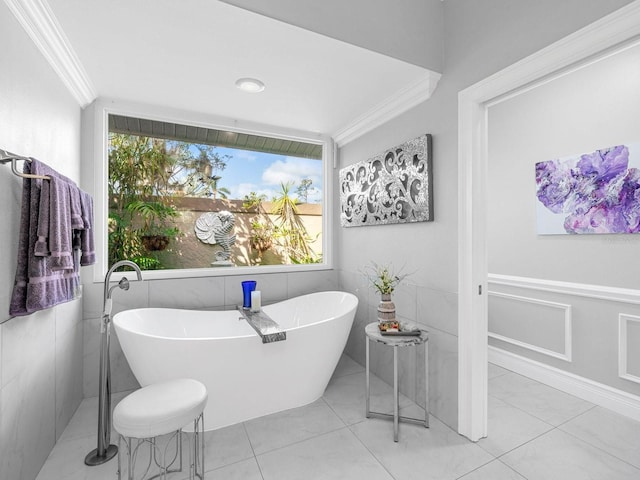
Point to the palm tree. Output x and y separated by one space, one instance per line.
290 229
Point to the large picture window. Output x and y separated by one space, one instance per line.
189 197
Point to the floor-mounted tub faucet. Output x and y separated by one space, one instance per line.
123 283
105 452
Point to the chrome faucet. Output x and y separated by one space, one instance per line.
106 452
123 283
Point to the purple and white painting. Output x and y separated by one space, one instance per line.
597 192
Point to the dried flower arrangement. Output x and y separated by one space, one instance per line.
383 278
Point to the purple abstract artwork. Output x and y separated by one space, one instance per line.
595 192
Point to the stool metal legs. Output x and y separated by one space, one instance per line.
396 393
159 456
197 447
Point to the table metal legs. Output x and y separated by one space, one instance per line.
396 393
367 412
426 384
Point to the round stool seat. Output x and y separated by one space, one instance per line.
160 408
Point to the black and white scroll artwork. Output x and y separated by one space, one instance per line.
392 187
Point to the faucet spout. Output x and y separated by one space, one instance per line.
123 285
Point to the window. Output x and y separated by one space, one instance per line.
203 199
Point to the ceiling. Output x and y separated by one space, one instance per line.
187 55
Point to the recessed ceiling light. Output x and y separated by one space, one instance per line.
252 85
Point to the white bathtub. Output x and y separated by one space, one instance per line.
245 378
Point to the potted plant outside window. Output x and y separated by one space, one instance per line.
157 229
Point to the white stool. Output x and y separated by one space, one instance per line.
161 409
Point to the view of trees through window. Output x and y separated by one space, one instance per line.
159 186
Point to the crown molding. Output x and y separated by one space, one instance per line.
38 20
393 106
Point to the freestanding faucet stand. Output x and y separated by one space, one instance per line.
105 451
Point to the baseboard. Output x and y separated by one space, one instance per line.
616 400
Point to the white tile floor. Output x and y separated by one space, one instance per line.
535 432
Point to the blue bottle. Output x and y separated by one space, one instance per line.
248 286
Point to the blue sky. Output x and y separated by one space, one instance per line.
249 171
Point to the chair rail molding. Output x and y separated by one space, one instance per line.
600 292
605 37
38 20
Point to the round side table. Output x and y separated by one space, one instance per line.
373 334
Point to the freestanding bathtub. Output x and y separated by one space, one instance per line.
245 378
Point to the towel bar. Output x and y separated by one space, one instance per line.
6 157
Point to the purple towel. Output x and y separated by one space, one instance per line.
42 244
76 210
60 232
37 285
87 246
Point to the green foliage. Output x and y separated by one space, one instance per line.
147 263
140 169
144 174
303 189
156 217
261 238
202 179
288 234
383 278
253 201
306 260
290 229
124 242
261 235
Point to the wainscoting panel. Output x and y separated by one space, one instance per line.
588 331
531 323
629 353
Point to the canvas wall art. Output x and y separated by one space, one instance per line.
597 192
392 187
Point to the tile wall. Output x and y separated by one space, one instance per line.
434 310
